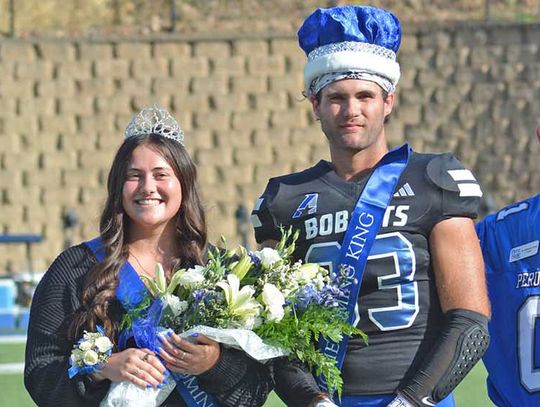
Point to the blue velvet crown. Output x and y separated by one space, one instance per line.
350 23
352 38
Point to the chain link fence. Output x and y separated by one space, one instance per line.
60 18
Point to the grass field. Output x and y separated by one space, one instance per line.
470 393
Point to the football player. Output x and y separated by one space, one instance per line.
510 240
401 220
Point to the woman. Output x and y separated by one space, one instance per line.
153 214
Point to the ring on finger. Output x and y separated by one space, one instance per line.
146 357
137 372
183 356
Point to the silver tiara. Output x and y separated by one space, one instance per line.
155 120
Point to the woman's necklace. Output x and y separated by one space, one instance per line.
140 265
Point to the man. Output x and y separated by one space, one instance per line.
422 300
510 244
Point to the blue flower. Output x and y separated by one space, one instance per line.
307 295
255 259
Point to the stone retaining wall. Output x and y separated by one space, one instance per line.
471 89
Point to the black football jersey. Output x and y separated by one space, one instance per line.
398 306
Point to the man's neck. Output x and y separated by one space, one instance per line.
353 165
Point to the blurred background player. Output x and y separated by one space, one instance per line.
510 240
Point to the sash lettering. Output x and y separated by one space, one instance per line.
358 240
365 222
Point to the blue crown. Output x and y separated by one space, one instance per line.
351 38
366 24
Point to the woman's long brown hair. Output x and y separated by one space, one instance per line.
98 300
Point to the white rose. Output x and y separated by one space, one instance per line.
85 345
274 300
103 344
272 296
268 256
192 277
75 358
308 271
275 313
319 282
176 306
90 357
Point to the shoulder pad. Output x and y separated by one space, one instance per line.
447 173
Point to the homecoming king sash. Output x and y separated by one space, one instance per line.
365 222
186 385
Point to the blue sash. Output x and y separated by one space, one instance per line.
365 222
186 385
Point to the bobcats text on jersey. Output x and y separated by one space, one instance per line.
332 223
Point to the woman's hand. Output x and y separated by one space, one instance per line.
186 357
139 366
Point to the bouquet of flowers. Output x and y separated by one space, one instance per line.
257 301
289 306
90 353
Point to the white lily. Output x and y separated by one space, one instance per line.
161 281
242 266
240 301
158 284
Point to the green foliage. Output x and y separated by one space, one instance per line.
315 323
287 244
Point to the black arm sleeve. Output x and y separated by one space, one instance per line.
238 380
47 347
295 385
462 343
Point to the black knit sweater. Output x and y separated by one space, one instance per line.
235 380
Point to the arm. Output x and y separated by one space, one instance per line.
236 379
47 348
295 384
459 273
459 267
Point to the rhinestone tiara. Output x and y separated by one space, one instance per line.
155 120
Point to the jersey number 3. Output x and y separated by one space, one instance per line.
396 247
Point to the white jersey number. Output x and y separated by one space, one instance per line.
527 316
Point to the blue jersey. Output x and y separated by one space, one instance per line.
510 244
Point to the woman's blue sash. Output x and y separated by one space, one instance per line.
361 232
186 385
